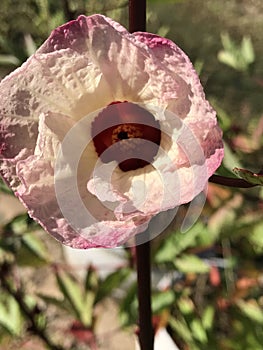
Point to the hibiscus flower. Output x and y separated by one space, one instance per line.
101 130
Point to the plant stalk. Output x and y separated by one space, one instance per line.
137 16
143 264
230 182
137 22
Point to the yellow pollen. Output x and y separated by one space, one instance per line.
126 131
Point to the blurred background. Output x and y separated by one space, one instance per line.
207 282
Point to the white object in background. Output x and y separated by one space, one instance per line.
162 341
105 261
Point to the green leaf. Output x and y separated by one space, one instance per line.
19 225
181 328
9 60
10 316
227 58
191 264
227 43
178 242
91 289
91 280
163 31
72 292
129 307
252 310
198 331
208 317
230 158
58 302
199 64
29 44
186 306
224 118
249 176
33 251
247 50
256 238
82 302
162 300
111 282
236 56
5 254
3 186
86 314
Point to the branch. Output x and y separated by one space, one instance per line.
143 263
137 16
230 181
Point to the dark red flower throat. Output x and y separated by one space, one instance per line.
121 131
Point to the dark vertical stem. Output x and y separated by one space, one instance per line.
137 22
69 15
137 16
143 262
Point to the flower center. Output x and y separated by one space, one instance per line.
121 131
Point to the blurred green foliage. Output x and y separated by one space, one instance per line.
213 298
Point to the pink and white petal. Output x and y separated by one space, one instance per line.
209 137
98 226
39 196
168 54
120 59
8 170
62 82
110 48
177 63
17 141
112 234
168 89
74 34
80 79
145 190
199 115
31 91
52 129
193 141
71 35
16 134
118 191
20 106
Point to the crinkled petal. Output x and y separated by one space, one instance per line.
39 196
99 225
84 66
99 228
105 44
177 63
138 76
17 141
198 115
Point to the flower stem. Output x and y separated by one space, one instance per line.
69 15
137 16
143 263
230 182
137 22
